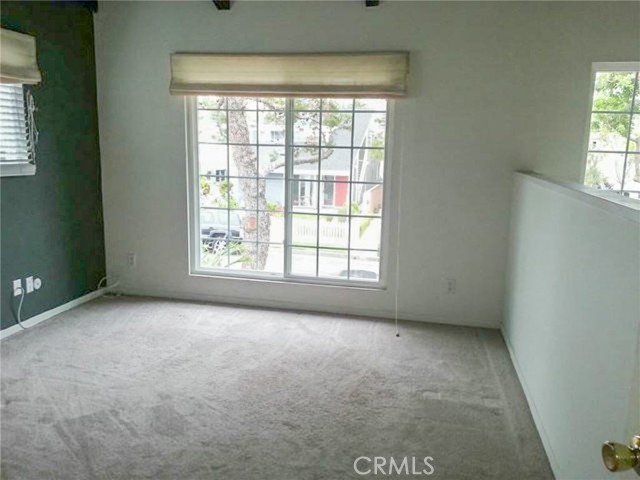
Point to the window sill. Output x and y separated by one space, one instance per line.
289 280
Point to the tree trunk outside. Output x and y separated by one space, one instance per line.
257 226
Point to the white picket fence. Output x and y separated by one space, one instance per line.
334 233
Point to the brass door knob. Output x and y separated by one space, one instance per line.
618 457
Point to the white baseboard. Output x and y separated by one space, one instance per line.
296 306
41 317
537 418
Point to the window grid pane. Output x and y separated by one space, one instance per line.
353 117
337 154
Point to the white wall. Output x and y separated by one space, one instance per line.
494 87
573 320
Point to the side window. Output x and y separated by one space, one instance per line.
613 150
18 135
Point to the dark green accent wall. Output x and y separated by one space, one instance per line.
51 223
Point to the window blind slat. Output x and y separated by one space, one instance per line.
14 150
377 75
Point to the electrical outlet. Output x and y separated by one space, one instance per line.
17 288
450 286
131 260
29 284
37 283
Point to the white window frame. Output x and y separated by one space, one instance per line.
26 167
606 67
193 206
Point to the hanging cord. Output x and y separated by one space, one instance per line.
32 131
108 287
20 310
399 128
397 268
19 316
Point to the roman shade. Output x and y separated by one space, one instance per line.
379 75
18 58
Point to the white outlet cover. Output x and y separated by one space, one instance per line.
29 284
17 288
37 283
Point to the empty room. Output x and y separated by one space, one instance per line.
319 240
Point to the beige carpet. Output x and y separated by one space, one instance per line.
133 388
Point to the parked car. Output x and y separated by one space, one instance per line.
219 228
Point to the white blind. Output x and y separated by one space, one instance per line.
18 62
355 75
15 145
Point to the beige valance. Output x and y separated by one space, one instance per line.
18 62
381 74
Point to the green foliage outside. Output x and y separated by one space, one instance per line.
225 198
613 92
377 155
364 225
205 186
594 177
224 255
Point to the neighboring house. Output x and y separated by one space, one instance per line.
333 176
333 179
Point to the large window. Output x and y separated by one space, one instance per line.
288 188
613 151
